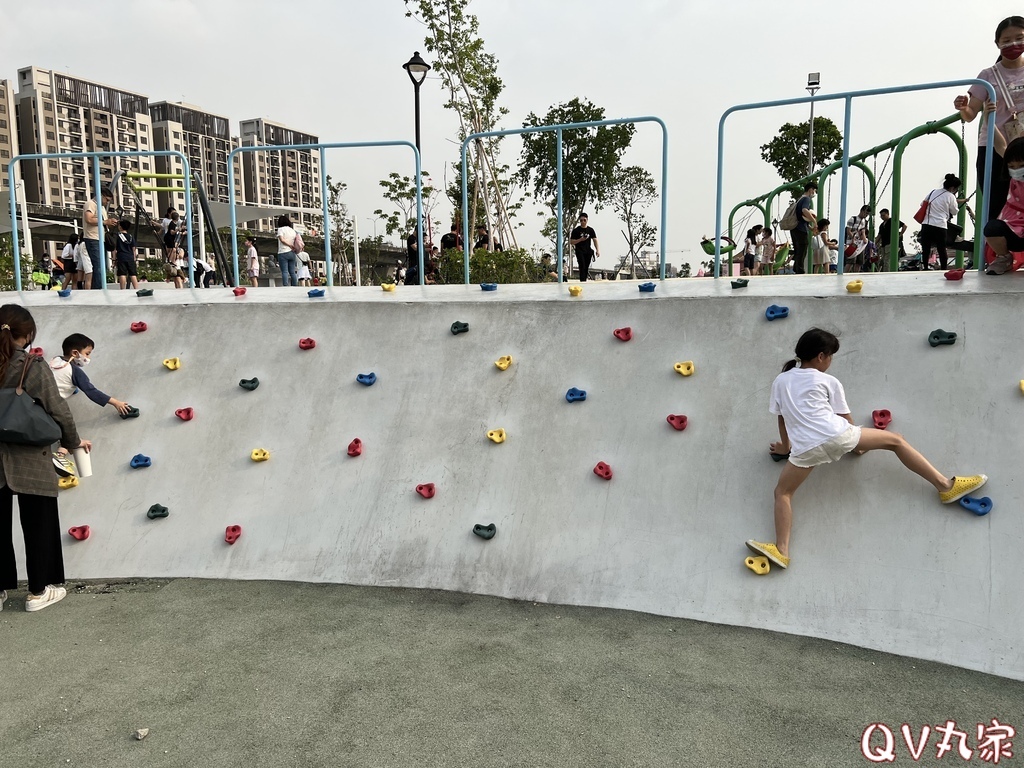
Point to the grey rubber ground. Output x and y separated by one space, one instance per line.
286 674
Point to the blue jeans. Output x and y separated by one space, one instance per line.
98 273
287 261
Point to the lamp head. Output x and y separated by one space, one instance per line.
417 69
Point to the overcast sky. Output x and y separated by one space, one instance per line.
333 68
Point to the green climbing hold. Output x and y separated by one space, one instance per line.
157 511
144 292
131 413
249 384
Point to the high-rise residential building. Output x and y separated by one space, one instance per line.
61 113
205 139
289 179
8 131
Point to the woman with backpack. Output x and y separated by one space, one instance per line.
941 205
285 254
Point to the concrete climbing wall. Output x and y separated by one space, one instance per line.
877 561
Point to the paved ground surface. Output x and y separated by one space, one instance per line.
286 674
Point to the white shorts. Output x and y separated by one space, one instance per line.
830 450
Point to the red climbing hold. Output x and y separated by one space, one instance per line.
79 532
623 334
677 421
231 533
955 274
882 418
355 448
239 291
185 414
603 471
139 327
307 343
37 351
426 490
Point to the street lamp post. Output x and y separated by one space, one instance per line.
417 69
813 85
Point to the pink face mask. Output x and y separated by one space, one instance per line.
1012 52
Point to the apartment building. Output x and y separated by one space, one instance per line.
8 131
60 113
289 179
205 139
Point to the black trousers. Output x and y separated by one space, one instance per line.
40 525
1000 184
583 261
933 237
799 251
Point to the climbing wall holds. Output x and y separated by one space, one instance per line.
172 363
955 274
775 312
979 507
855 286
141 292
1022 386
232 533
496 435
646 287
157 511
459 327
684 368
741 283
259 454
140 461
355 448
603 471
185 414
37 351
249 384
67 482
79 532
485 531
779 456
64 293
488 286
238 290
881 418
307 343
677 421
131 413
139 327
316 293
758 565
426 490
939 336
389 287
623 334
367 379
575 290
575 395
503 362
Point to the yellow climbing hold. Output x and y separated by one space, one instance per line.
504 362
1022 386
172 363
496 435
389 287
854 286
685 368
68 482
758 565
259 454
575 290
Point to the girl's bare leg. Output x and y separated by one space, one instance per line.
791 478
880 440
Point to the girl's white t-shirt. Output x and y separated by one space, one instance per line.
810 401
288 235
941 208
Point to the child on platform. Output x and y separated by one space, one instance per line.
815 427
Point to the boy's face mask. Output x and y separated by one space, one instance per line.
80 360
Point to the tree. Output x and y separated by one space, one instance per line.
590 157
401 190
632 189
788 150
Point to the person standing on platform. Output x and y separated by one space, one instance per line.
584 239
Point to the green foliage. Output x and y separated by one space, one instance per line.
788 150
632 189
151 269
6 263
514 265
401 190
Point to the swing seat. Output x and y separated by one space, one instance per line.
728 245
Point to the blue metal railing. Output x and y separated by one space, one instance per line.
98 188
848 97
557 129
323 192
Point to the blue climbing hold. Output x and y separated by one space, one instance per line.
979 507
316 293
575 395
647 287
488 286
139 461
64 293
775 312
367 379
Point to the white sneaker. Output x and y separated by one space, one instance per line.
1001 265
3 599
50 596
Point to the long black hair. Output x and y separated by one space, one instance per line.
811 344
15 322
